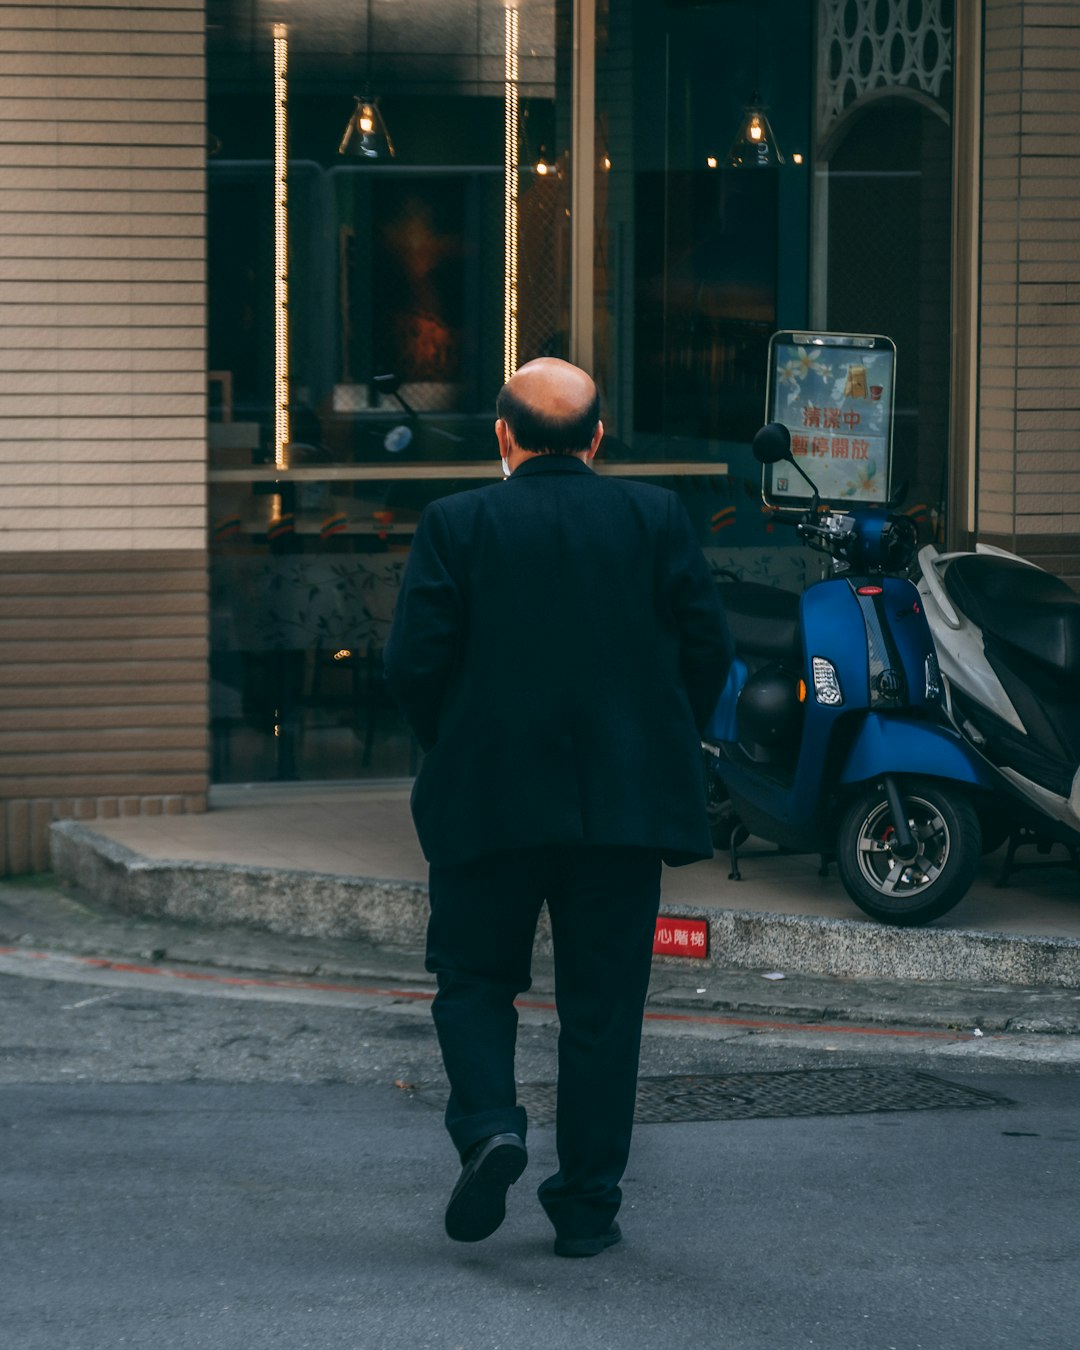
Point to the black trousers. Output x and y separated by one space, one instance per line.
603 904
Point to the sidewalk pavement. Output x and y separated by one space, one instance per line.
329 882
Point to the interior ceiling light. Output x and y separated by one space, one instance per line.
365 136
754 146
544 166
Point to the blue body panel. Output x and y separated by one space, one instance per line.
833 627
721 726
898 745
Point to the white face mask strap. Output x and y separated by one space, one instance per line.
506 467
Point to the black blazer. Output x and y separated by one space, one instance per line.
556 647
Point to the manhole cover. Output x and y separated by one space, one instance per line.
799 1092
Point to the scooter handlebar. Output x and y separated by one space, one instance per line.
876 540
835 532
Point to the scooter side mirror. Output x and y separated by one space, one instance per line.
772 444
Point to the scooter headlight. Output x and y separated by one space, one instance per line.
933 678
826 684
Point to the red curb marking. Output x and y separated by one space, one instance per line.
207 977
375 991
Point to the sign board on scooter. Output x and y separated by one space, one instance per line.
834 392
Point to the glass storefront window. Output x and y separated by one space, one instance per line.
396 310
413 282
698 263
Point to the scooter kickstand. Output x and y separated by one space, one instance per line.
1018 837
739 835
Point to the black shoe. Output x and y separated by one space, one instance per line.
588 1246
478 1203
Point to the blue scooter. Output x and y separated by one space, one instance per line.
830 736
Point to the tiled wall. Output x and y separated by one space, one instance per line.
102 293
102 413
1028 486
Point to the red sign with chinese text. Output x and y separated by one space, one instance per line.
681 937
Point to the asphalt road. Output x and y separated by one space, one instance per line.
251 1167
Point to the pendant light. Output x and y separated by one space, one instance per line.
754 146
366 136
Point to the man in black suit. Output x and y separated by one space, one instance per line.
557 646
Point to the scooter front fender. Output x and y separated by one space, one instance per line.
897 745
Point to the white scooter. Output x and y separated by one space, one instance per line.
1008 642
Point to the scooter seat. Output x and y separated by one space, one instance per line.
1022 606
764 620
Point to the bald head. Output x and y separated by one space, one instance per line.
553 387
550 407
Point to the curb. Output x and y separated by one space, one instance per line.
268 899
394 913
839 947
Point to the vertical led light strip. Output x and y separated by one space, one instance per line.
510 303
583 187
281 249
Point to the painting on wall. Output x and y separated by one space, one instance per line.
403 288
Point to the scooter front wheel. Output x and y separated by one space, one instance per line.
901 891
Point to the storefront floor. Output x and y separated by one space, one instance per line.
365 831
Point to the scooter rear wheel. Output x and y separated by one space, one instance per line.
946 828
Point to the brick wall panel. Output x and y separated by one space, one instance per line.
1028 489
103 604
